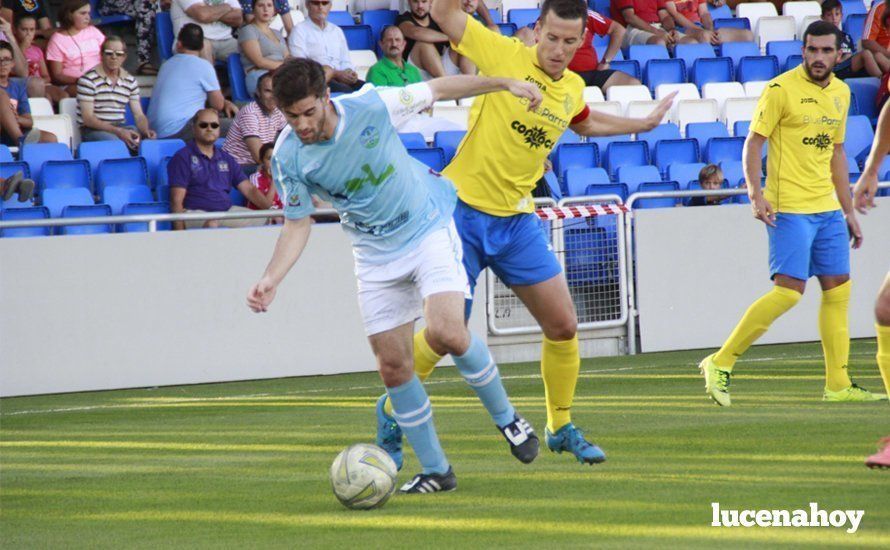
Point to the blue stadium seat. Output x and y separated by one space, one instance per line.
238 199
359 37
859 138
740 128
628 66
670 151
662 131
792 62
448 141
601 6
129 171
703 131
57 199
162 193
128 112
864 90
575 155
116 196
737 50
107 20
721 149
719 12
27 213
433 157
782 49
664 71
646 52
6 154
35 154
9 168
164 34
765 67
732 23
717 69
96 151
619 189
854 25
148 207
733 172
689 53
523 17
633 176
602 42
683 173
236 78
666 202
507 29
153 150
377 19
340 18
412 140
577 180
65 173
85 211
553 185
602 143
853 7
588 258
625 153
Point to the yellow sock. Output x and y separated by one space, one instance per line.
834 330
425 360
884 354
560 363
754 323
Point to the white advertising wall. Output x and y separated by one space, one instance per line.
698 270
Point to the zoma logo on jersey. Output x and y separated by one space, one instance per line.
355 184
821 141
535 136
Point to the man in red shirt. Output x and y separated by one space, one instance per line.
694 18
594 71
643 20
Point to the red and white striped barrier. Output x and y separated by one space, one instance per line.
581 211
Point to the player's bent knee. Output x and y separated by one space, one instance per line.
561 330
882 307
448 337
394 372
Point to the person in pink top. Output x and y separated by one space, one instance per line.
38 73
76 48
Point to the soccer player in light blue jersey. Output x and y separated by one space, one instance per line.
398 213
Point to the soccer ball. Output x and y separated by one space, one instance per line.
363 476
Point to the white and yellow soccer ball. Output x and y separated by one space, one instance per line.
363 476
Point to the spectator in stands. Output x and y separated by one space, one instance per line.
38 74
256 124
427 46
263 49
710 178
597 72
325 43
202 176
75 48
853 64
262 180
143 12
20 126
19 62
186 82
876 34
13 9
282 8
393 69
16 184
103 94
643 22
694 18
217 18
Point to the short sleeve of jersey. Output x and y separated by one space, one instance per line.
404 102
769 111
598 24
487 49
620 5
291 188
841 135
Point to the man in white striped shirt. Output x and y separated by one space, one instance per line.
103 94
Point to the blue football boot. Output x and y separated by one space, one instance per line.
389 434
571 439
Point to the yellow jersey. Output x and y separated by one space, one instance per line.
802 122
501 158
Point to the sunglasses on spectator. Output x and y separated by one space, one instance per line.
114 53
204 125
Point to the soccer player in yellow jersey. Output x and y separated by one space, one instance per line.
495 169
807 210
864 200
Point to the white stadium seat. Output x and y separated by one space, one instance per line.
362 60
641 109
458 114
507 5
721 91
800 10
736 109
774 28
40 106
68 106
608 107
754 88
755 10
60 125
684 91
806 22
695 110
593 94
626 94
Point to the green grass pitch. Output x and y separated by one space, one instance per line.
245 464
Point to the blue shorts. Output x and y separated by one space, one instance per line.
514 247
803 245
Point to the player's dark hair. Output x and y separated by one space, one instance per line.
566 9
823 28
296 79
191 36
829 5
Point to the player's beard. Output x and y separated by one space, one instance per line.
806 67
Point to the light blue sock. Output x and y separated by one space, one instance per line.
411 409
480 371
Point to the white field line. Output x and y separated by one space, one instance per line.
377 387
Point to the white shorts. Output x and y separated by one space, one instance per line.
392 294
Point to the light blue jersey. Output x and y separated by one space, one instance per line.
387 201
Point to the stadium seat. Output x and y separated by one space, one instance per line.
148 207
57 199
741 127
507 29
702 132
602 143
689 53
412 140
792 62
732 23
40 106
507 5
26 213
854 24
719 12
633 176
238 199
670 151
359 37
588 259
737 50
715 69
153 150
601 44
696 110
685 90
853 7
68 107
107 20
800 10
593 94
642 109
523 17
859 138
362 60
721 91
646 52
96 151
64 173
578 179
757 68
782 49
123 172
774 28
9 168
433 157
625 153
236 79
552 185
733 172
164 34
864 90
85 211
608 107
628 66
128 113
721 149
738 109
60 125
626 94
340 18
162 193
607 189
683 173
575 155
663 71
5 154
457 114
35 154
806 22
116 196
753 11
754 88
662 131
448 141
377 20
653 187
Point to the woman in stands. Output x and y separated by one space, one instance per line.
143 12
263 49
282 7
75 48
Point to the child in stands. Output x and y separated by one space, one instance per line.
262 180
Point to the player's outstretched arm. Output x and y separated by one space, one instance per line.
459 87
602 124
290 245
867 186
450 18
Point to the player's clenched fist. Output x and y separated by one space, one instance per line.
260 296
